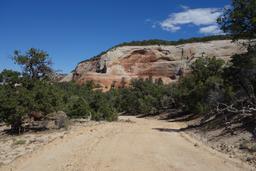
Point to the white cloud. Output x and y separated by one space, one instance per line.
184 7
213 29
169 26
199 17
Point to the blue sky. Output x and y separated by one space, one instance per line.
74 30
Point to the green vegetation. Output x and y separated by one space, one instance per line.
178 42
35 63
143 97
204 87
83 102
32 91
240 19
19 142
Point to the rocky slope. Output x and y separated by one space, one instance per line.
120 65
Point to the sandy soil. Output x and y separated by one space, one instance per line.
131 144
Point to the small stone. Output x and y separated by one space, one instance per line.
42 140
248 159
68 165
32 140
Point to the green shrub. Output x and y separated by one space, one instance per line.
46 97
147 105
106 112
18 100
77 107
143 97
204 87
241 75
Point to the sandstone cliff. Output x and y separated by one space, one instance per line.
120 65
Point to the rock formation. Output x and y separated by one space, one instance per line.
120 65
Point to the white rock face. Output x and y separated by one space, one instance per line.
129 62
67 78
220 48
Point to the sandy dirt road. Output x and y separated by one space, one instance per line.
140 145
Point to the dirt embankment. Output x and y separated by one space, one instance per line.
130 144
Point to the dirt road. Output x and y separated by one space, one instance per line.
126 146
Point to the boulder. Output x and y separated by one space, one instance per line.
57 120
